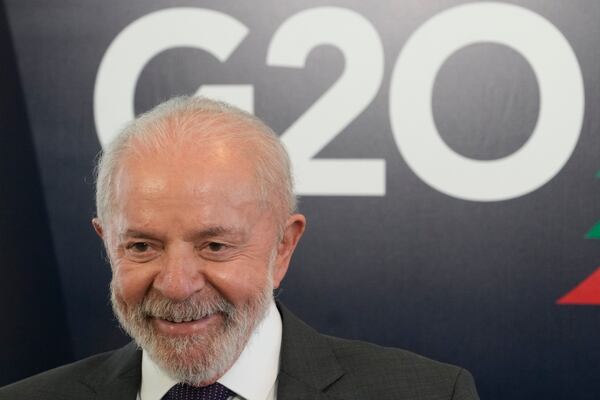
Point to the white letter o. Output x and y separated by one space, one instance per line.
561 102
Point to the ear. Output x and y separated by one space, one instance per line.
294 228
102 234
98 227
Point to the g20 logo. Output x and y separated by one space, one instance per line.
543 46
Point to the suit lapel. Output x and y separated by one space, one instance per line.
119 377
308 365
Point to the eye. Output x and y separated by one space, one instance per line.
141 251
216 247
139 247
216 251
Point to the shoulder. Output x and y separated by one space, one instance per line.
61 378
346 368
365 357
369 365
71 381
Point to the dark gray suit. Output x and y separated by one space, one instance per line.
313 366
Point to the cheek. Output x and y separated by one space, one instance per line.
240 284
131 284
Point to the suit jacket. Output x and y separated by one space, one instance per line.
313 367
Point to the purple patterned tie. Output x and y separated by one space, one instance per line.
183 391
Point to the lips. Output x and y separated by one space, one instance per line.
175 325
179 320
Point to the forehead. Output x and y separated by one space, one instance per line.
187 169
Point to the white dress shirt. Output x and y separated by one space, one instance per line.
253 376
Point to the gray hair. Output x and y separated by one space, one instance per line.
187 115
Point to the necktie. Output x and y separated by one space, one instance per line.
183 391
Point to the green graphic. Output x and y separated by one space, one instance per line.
588 291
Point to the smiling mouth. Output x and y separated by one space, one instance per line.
183 326
179 320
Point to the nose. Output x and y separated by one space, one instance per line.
181 274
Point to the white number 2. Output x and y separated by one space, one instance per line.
356 38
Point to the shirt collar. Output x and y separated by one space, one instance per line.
252 376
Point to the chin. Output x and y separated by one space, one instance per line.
197 359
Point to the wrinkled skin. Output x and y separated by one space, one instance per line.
195 255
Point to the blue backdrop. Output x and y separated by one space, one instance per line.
446 155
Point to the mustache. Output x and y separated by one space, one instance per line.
196 307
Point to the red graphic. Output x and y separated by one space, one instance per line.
586 293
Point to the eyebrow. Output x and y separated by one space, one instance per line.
208 232
216 231
213 231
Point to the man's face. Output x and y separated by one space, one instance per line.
195 256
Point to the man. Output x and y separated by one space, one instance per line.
197 213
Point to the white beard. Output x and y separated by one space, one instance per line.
196 359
